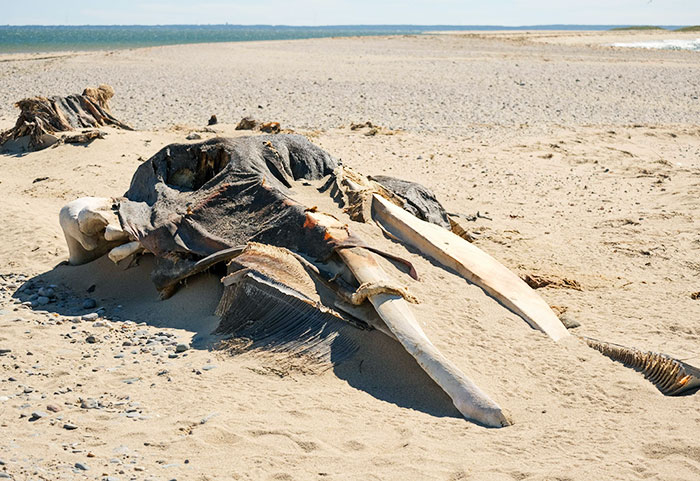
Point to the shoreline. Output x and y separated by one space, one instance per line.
383 31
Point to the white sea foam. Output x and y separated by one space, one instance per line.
664 44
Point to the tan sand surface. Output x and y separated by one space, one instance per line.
606 193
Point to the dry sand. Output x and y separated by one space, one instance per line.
586 160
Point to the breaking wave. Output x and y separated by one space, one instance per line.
664 44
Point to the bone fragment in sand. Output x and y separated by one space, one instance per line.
125 250
91 228
394 310
472 263
671 376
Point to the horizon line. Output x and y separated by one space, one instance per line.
341 25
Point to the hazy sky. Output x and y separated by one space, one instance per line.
345 12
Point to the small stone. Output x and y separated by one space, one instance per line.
93 316
181 348
99 324
42 300
70 426
91 339
568 321
4 475
208 367
4 351
28 390
139 468
47 292
89 303
53 408
193 136
37 415
213 120
88 403
119 356
110 478
90 455
172 356
82 466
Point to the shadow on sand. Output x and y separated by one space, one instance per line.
381 367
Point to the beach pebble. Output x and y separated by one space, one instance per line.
82 466
91 339
53 408
37 415
46 292
93 316
70 426
4 475
89 303
181 348
89 403
193 136
42 300
568 321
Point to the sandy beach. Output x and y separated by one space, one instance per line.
583 161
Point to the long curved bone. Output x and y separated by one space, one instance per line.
471 401
472 263
91 228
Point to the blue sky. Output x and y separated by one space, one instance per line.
346 12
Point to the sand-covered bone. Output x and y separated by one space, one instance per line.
671 376
91 228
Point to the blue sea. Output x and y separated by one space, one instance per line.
14 39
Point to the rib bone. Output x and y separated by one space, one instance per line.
471 262
394 310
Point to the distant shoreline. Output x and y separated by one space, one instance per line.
57 38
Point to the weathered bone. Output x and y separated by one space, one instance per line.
91 228
125 250
671 376
472 263
393 309
396 314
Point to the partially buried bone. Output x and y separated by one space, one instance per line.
471 262
671 376
120 253
396 314
91 227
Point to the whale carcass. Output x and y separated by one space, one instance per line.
297 280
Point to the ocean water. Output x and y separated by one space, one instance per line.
664 44
55 38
